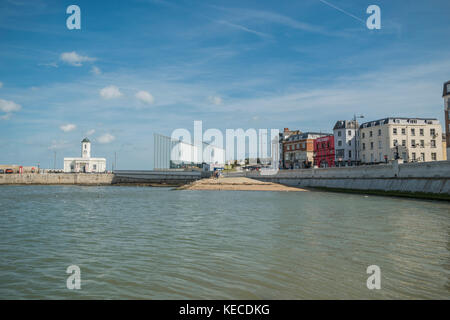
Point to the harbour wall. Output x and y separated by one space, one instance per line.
57 178
158 177
119 177
424 177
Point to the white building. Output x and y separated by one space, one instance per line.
346 141
85 163
171 153
410 139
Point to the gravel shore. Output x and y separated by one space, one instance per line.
238 184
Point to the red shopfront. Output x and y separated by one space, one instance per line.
324 152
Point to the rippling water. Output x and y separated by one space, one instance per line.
155 243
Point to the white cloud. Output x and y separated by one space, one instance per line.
90 132
50 64
75 59
58 145
106 138
96 70
1 84
215 100
68 127
145 97
9 106
111 92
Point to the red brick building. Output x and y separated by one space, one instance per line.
298 150
324 151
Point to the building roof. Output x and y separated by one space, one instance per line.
85 140
346 124
306 135
387 120
446 92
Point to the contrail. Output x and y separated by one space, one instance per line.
343 11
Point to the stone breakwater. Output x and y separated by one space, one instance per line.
237 184
57 178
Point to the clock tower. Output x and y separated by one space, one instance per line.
446 96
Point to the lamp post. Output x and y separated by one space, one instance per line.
356 133
396 150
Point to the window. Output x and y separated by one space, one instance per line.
349 142
433 143
379 145
421 132
413 143
422 156
413 156
364 158
422 143
404 156
363 135
349 153
403 131
339 143
380 157
371 157
364 146
395 142
339 133
379 132
371 146
432 132
95 167
403 143
413 132
433 156
349 132
394 131
370 134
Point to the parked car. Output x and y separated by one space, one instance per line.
9 171
2 171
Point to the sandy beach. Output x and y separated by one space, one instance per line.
238 184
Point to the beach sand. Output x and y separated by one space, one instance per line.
238 184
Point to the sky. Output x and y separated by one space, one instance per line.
140 67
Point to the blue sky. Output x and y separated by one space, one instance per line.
143 66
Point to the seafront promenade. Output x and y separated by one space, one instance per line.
419 180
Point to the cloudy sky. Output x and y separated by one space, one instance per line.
142 66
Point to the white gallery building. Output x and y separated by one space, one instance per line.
85 163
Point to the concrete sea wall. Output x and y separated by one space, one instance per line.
57 178
122 177
425 177
158 177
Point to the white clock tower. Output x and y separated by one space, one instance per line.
86 148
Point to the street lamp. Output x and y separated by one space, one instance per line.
356 132
396 150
